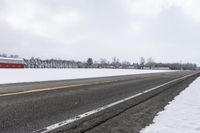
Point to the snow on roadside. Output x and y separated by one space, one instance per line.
182 115
30 75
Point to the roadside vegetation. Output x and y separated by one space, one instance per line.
104 63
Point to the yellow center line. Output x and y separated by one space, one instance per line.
50 88
42 89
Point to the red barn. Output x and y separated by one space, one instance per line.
11 63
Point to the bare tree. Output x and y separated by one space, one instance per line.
142 62
104 63
150 63
115 62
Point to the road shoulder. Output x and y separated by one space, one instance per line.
137 117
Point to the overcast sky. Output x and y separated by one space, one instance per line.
166 30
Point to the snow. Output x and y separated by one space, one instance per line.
6 58
31 75
182 115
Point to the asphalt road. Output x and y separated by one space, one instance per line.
27 107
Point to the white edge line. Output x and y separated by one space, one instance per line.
78 117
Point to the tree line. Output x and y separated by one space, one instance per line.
103 63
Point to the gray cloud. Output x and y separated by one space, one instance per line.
166 31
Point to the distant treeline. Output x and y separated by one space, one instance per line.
103 63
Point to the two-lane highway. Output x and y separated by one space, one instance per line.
28 107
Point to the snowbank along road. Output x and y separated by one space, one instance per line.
181 115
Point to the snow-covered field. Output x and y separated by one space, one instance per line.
30 75
182 115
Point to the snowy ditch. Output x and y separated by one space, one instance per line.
182 115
